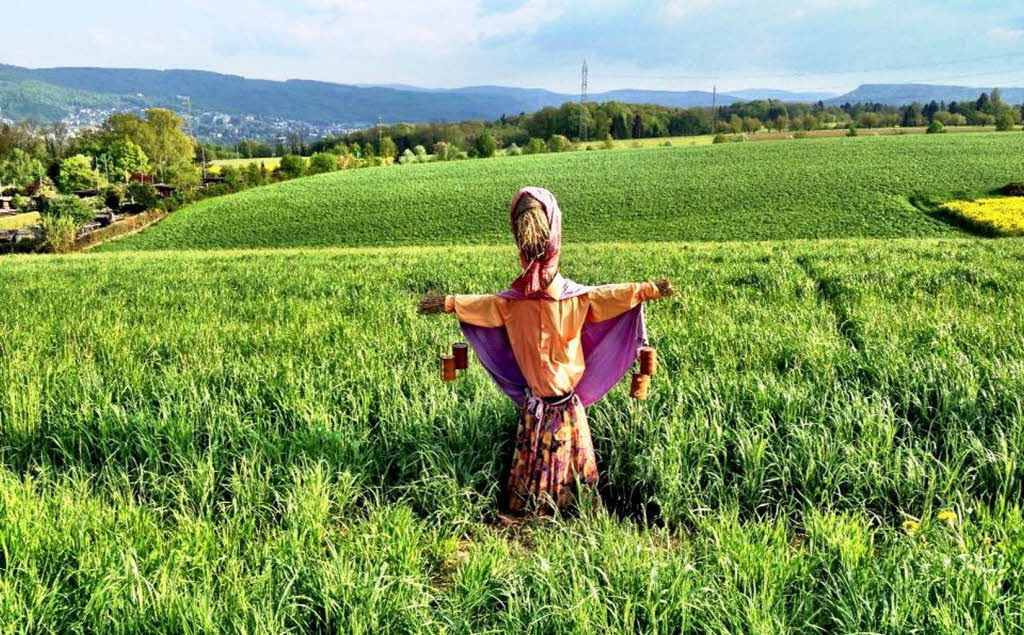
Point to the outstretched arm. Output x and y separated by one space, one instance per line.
612 300
478 310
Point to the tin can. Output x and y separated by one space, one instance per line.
460 351
638 388
447 368
648 361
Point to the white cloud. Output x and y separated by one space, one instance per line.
1006 35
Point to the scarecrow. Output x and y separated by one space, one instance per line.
554 347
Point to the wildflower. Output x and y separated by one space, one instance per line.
911 526
947 516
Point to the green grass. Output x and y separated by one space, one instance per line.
258 441
815 188
19 221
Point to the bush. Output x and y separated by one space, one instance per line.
720 138
513 151
1005 122
323 162
59 233
935 127
800 135
738 138
667 144
291 166
536 146
444 151
79 211
851 131
21 203
486 146
421 154
558 143
608 143
143 195
113 196
1014 189
407 157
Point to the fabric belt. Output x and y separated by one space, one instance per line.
537 406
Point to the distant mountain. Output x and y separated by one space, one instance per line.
899 94
751 94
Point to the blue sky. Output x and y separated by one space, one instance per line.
660 44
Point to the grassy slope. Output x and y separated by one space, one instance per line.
809 189
222 439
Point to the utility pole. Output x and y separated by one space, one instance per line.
583 101
714 107
380 130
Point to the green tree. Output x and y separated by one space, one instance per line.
322 162
20 169
76 173
291 166
1005 123
558 143
69 206
485 146
122 159
535 146
388 149
142 194
170 144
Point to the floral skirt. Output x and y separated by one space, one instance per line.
551 455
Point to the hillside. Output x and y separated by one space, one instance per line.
815 188
900 94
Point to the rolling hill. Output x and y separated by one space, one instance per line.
816 188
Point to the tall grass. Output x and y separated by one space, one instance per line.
257 441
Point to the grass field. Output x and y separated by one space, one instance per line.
19 221
815 188
220 441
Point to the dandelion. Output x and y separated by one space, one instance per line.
947 516
911 526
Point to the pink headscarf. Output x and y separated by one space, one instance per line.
535 271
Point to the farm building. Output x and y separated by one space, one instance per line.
165 189
5 203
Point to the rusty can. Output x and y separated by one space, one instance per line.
648 361
447 368
460 350
638 388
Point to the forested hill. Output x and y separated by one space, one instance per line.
900 94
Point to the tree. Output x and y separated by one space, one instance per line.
868 120
558 143
1005 122
170 144
69 206
485 146
322 162
984 104
20 169
142 194
935 127
388 149
291 166
76 174
781 122
122 159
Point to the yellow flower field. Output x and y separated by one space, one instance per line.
1003 215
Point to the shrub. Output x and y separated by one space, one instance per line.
558 143
513 151
1005 122
720 138
142 195
59 233
800 135
1014 189
291 166
738 138
323 162
113 196
486 146
421 154
69 206
851 130
444 151
608 143
407 157
667 144
536 146
21 202
935 127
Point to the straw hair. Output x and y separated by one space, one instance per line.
431 303
531 228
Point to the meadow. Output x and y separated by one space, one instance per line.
219 441
813 188
19 221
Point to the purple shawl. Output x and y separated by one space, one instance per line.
610 348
